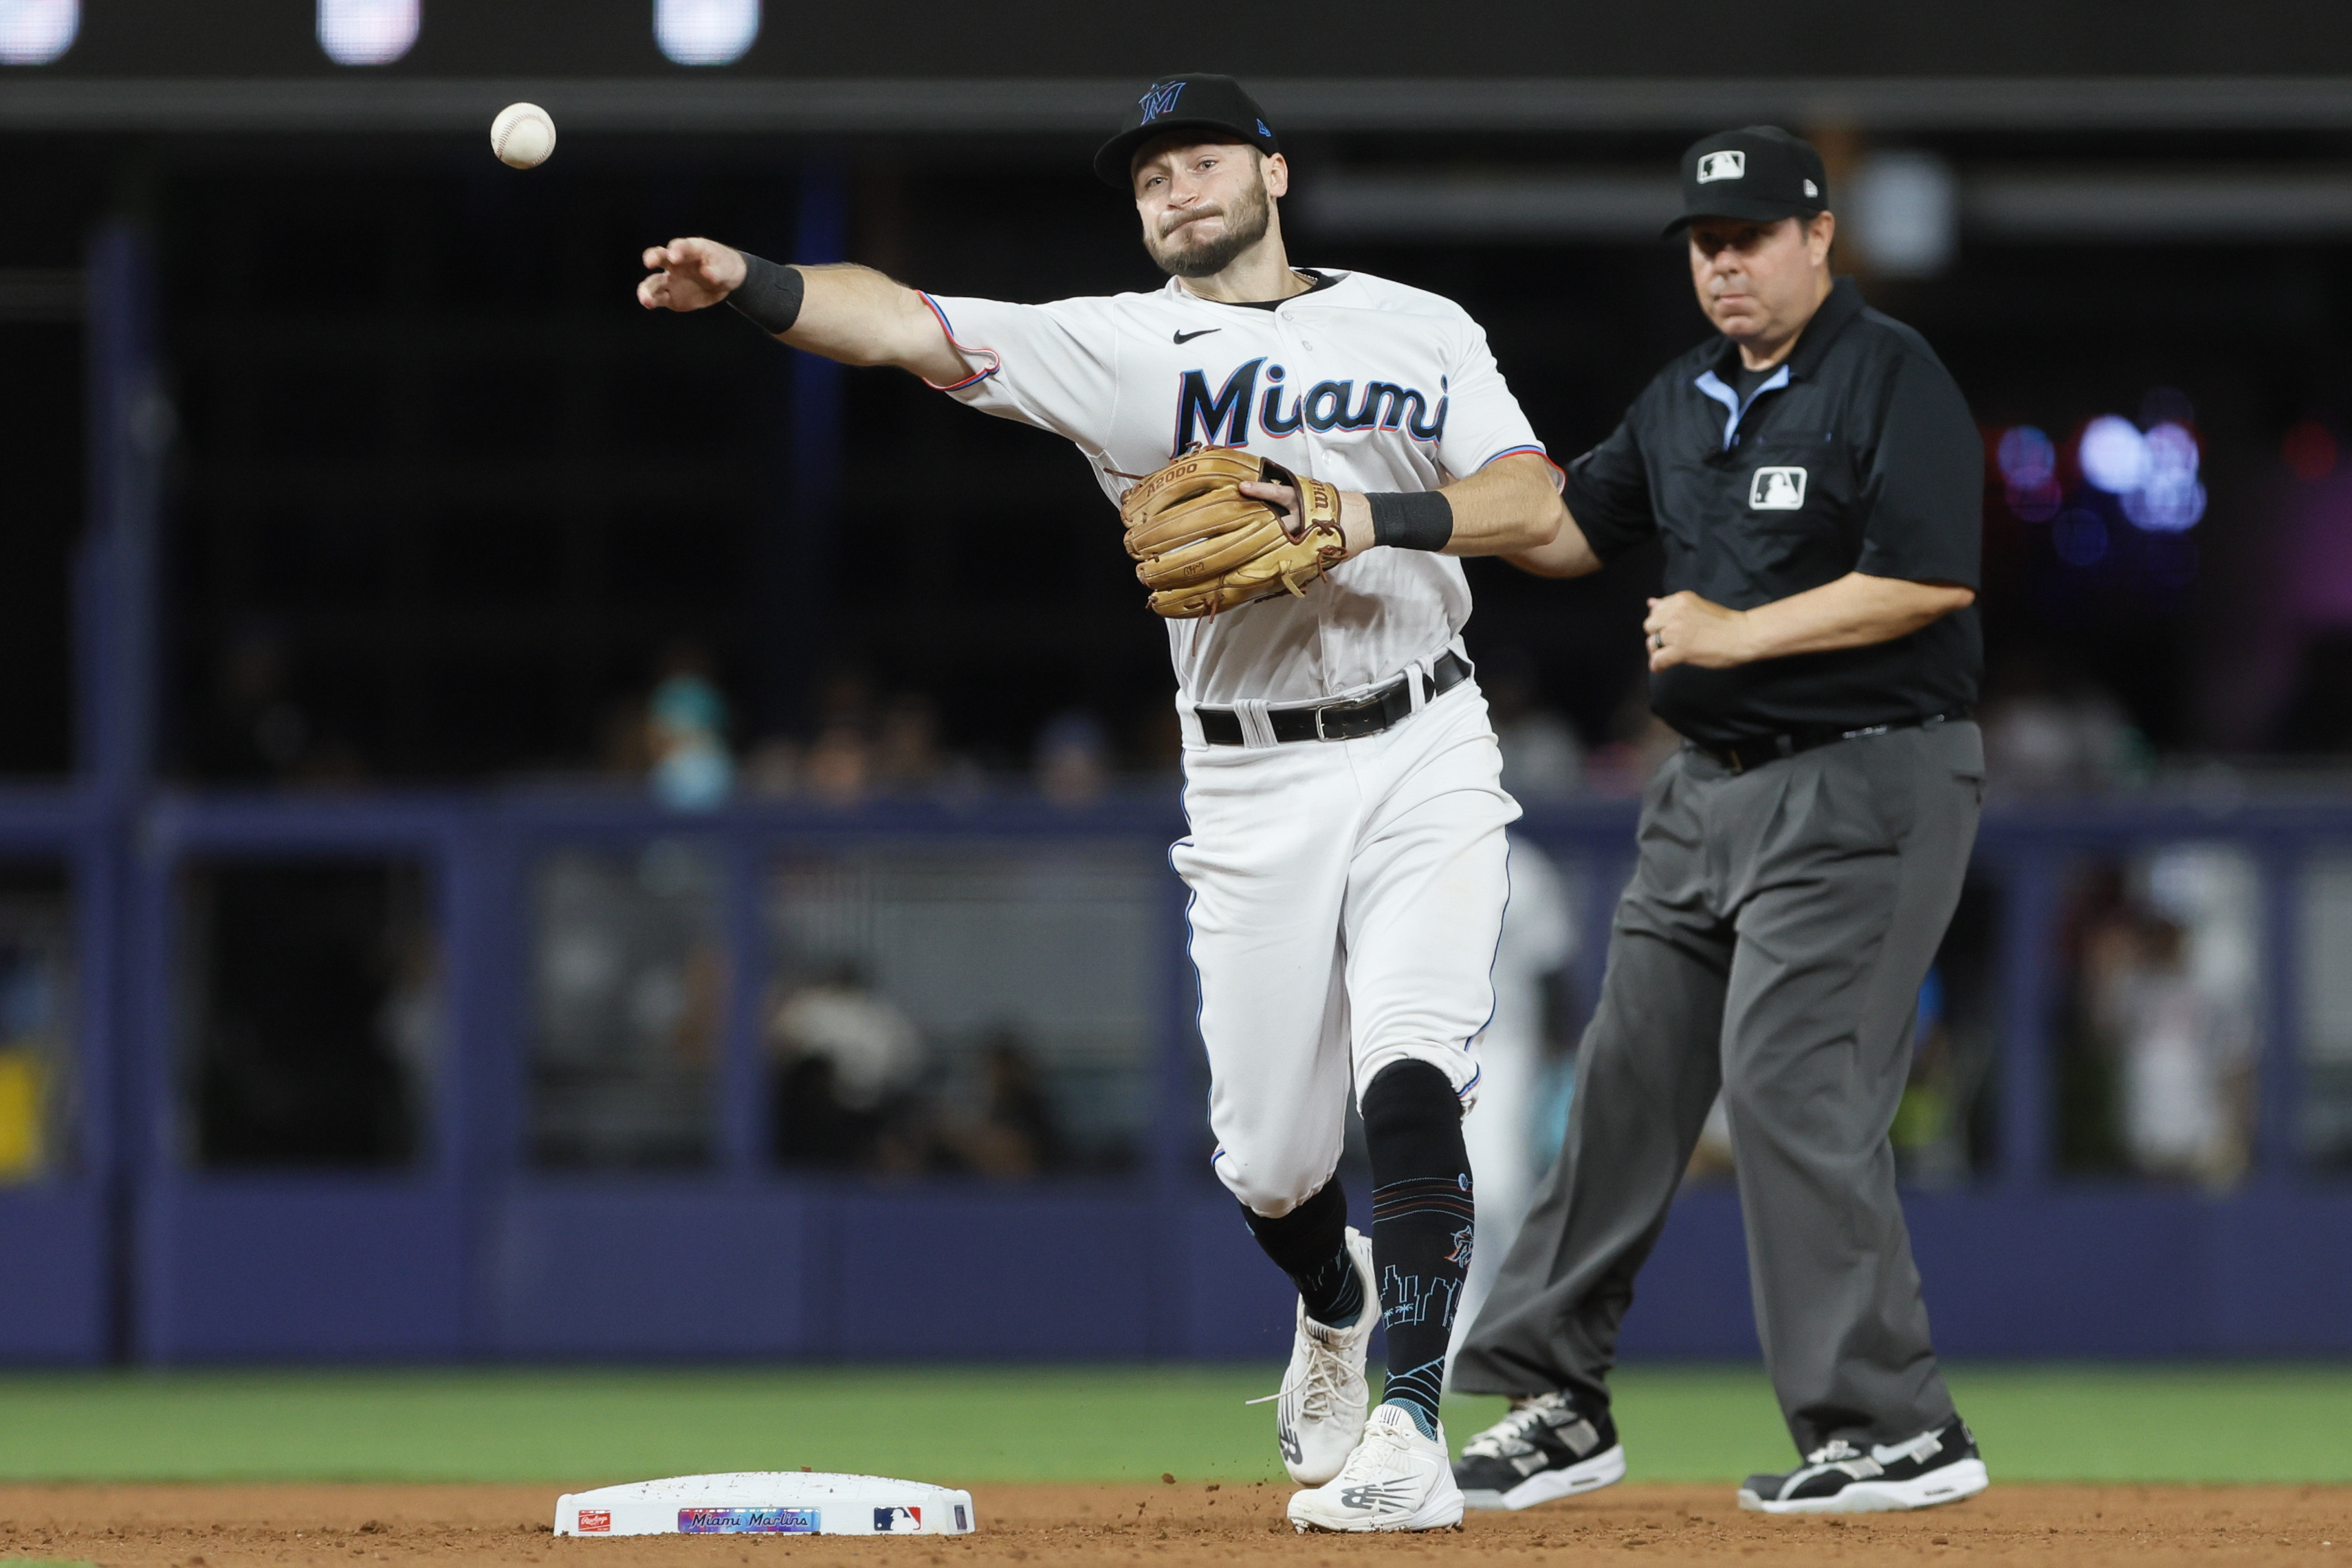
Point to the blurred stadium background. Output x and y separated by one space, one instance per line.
534 830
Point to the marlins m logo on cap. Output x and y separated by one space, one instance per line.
1160 99
1730 164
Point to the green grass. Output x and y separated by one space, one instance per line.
587 1426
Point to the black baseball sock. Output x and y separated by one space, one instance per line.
1421 1225
1310 1245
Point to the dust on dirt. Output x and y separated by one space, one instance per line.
1232 1525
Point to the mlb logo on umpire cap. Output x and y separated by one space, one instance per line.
1728 164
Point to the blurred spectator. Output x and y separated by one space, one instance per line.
840 765
1072 762
2184 1054
2050 730
631 986
907 759
1538 940
1543 759
685 735
2157 1071
847 1064
1017 1135
771 769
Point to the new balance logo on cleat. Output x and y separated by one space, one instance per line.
1941 1464
1396 1479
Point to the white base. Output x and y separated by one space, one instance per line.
767 1503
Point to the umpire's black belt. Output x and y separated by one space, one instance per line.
1741 755
1391 704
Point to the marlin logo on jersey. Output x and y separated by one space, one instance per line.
1160 99
1224 419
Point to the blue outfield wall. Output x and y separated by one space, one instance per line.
670 1271
133 1254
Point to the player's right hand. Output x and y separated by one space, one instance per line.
690 274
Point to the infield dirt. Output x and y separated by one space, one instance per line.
1167 1526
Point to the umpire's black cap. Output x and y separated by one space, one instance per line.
1759 173
1188 102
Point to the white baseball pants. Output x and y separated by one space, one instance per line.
1346 897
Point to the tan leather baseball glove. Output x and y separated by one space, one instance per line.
1202 547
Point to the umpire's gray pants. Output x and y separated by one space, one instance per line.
1772 944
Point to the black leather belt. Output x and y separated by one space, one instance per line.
1741 755
1392 704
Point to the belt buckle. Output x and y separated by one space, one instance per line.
1345 710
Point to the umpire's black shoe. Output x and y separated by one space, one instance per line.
1938 1466
1545 1448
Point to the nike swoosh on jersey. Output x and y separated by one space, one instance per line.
1184 338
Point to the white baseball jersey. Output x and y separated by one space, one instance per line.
1362 383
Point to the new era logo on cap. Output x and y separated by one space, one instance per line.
1730 164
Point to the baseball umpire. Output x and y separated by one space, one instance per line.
1815 479
1300 456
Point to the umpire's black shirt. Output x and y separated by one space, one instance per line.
1857 454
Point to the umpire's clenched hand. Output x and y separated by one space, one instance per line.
1684 629
690 274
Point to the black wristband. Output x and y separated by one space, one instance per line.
1417 519
770 293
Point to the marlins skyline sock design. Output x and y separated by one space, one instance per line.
1421 1225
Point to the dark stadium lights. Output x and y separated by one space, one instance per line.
35 32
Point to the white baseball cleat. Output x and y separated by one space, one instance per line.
1319 1412
1396 1479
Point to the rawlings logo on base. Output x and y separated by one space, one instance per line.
595 1521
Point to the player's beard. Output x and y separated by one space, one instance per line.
1245 224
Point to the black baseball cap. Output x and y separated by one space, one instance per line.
1759 173
1188 102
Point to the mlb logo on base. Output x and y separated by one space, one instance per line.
595 1521
889 1521
1777 491
1729 164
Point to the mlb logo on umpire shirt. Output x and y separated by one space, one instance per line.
1777 491
1728 164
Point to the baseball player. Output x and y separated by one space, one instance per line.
1346 854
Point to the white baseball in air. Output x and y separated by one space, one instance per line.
523 135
